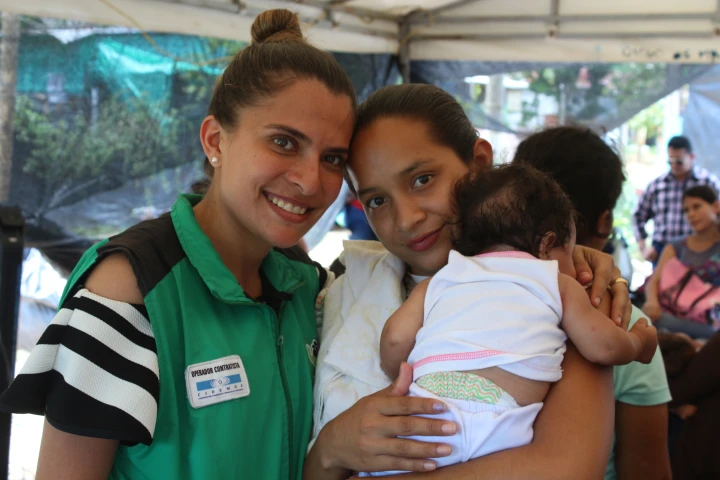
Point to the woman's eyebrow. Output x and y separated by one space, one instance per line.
403 173
414 166
365 191
292 131
343 150
301 136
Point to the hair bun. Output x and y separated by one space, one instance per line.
276 26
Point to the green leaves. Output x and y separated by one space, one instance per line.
594 89
120 140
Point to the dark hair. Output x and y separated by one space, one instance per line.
680 143
588 170
277 56
677 352
703 192
200 187
514 205
444 116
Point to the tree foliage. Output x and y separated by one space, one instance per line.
595 89
582 100
73 151
197 85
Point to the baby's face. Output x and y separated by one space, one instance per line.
564 256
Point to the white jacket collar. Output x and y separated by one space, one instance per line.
372 292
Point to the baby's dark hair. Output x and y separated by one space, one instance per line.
677 352
514 205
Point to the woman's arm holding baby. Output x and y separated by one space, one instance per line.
398 335
597 337
568 443
573 432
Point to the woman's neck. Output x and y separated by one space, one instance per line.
240 250
710 235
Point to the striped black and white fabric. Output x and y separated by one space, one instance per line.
94 372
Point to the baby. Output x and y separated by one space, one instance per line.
487 333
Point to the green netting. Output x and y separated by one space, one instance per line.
120 63
106 125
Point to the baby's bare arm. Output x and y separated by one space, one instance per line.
398 335
597 337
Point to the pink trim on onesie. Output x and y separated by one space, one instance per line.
508 254
457 356
449 357
483 353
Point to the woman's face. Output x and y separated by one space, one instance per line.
700 214
404 180
281 166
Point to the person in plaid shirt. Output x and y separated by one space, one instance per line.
662 201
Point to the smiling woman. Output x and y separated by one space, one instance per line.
407 202
412 143
184 346
276 172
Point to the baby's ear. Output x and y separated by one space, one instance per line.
546 245
482 156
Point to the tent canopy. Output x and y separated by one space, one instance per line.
665 31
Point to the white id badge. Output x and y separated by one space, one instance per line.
216 381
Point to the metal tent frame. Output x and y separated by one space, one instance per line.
664 31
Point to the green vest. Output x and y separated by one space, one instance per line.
198 314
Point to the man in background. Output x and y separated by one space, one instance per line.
662 201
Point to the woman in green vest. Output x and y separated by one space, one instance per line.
184 347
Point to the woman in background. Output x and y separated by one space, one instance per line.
700 252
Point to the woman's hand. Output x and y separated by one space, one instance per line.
364 437
572 433
652 310
599 268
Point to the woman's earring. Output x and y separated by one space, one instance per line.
214 160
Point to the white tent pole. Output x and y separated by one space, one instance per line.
9 44
452 6
630 17
253 9
554 18
355 11
566 36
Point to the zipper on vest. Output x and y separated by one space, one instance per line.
279 341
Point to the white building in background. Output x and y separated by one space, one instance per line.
514 97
